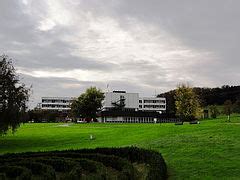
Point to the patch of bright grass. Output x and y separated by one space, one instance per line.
210 150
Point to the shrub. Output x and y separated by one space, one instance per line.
9 171
83 163
59 164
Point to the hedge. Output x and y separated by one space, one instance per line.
83 163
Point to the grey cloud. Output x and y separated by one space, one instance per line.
210 26
31 48
151 74
203 25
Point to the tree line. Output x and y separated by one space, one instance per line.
208 97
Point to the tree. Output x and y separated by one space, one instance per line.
236 107
228 108
170 101
88 103
207 96
214 112
187 103
39 115
13 97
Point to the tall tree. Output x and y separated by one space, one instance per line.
88 103
228 107
13 97
187 103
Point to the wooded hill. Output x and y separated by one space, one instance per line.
207 96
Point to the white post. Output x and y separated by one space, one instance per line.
155 120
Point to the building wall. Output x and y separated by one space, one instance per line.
131 99
152 104
129 119
56 103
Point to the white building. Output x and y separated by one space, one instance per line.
152 104
119 106
122 107
56 103
115 98
132 101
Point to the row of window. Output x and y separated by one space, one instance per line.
141 120
152 106
138 118
54 106
128 119
55 101
152 101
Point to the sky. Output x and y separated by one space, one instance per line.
62 47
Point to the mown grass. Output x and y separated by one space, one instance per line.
210 150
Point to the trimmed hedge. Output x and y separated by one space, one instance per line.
83 163
14 172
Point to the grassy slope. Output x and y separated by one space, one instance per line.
210 150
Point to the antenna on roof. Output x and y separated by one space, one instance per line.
155 93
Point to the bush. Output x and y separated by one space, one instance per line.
14 172
83 163
75 174
157 164
214 112
58 164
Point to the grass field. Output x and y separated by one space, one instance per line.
210 150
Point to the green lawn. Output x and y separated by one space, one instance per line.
210 150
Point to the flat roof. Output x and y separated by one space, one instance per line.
119 91
58 98
152 97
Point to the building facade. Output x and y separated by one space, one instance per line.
56 103
132 101
152 104
120 99
116 116
123 107
119 106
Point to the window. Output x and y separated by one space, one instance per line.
122 97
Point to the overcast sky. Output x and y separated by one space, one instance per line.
61 47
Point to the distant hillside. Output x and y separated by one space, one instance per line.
207 96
